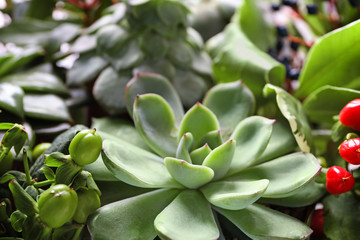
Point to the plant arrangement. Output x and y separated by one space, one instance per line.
270 152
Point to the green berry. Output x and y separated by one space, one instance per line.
89 201
85 147
57 205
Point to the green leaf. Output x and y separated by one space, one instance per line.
281 142
17 220
48 172
185 144
159 66
35 81
198 155
329 61
6 126
259 222
154 45
12 174
180 54
66 173
231 103
234 195
220 159
189 175
212 138
40 9
252 136
155 121
309 194
143 83
136 166
85 69
327 101
294 112
199 120
341 222
56 110
130 218
11 99
23 201
189 216
129 57
171 13
15 137
56 159
233 61
251 20
109 90
286 174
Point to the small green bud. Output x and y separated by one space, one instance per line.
85 147
40 149
89 201
57 205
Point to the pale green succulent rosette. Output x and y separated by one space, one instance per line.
214 159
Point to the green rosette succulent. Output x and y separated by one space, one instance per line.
141 37
212 160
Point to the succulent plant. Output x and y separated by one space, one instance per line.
136 37
214 159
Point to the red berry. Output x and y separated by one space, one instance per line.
338 180
350 150
317 223
350 114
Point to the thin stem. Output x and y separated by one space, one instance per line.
26 168
43 183
78 232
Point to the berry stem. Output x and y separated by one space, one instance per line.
26 168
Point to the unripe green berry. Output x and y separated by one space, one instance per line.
57 205
40 149
85 147
89 201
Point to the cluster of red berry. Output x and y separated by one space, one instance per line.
339 180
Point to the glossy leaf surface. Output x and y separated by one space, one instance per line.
11 99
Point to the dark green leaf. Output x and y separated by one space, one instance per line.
56 159
23 201
13 174
66 173
17 220
11 99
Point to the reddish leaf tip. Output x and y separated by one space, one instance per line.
182 161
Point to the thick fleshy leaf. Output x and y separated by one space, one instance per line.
281 142
286 174
342 216
220 159
130 56
252 136
153 83
136 166
109 90
11 99
57 36
199 120
35 81
189 175
85 68
326 102
231 103
233 61
83 44
274 225
189 216
155 121
131 218
159 66
55 108
212 138
23 201
198 155
234 195
294 112
190 86
185 144
304 196
329 61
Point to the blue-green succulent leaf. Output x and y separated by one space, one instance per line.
155 121
231 103
252 136
136 166
234 195
220 159
189 175
199 120
286 174
212 138
189 216
262 223
184 147
131 218
198 155
143 83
